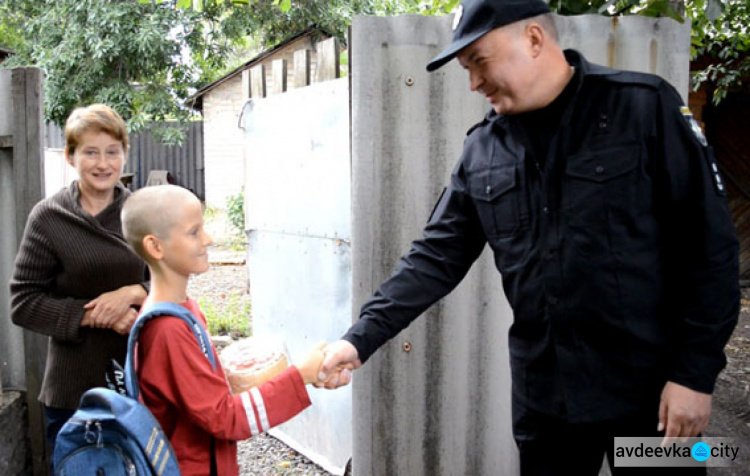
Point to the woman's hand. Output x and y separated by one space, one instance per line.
113 310
123 325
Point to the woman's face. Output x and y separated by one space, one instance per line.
99 160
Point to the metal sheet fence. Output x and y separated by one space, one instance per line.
297 207
435 400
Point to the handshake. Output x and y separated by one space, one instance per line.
329 365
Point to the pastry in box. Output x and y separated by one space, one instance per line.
253 360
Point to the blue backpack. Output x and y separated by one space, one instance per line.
111 432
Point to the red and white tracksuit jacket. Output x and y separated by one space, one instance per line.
193 403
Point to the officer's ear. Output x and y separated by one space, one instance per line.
535 37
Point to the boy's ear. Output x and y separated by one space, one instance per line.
153 247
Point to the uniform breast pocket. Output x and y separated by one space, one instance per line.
495 194
601 185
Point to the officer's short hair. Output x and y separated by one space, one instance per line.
546 21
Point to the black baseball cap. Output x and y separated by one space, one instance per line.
475 18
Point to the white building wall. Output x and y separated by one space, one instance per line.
223 142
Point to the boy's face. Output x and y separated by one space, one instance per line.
186 248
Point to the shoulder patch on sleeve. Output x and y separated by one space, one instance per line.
694 126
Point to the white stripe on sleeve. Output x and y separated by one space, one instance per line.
261 407
250 413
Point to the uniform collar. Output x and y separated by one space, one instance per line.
575 58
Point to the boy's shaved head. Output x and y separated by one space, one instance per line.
154 211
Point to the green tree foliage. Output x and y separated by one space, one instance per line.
145 57
650 8
11 29
272 21
123 53
721 33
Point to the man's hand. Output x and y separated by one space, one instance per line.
683 412
340 359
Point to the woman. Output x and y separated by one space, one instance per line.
75 278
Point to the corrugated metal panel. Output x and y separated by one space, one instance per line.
443 406
436 399
652 45
184 162
54 136
297 191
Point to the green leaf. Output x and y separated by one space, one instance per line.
451 5
286 5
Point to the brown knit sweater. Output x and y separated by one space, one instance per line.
67 258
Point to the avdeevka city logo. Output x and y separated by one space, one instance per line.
685 452
701 451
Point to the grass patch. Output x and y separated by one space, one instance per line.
226 234
228 316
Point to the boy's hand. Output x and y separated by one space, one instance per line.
310 365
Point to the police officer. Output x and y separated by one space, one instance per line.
608 221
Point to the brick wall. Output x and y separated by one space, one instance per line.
223 139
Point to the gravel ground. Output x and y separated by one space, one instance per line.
262 455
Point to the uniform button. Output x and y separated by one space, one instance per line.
599 169
545 210
488 189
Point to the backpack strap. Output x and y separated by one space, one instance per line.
162 309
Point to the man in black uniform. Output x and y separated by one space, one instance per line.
608 221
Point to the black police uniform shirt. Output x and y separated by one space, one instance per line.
618 255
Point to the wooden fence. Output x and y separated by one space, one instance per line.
22 353
328 66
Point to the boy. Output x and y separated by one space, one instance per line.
190 399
